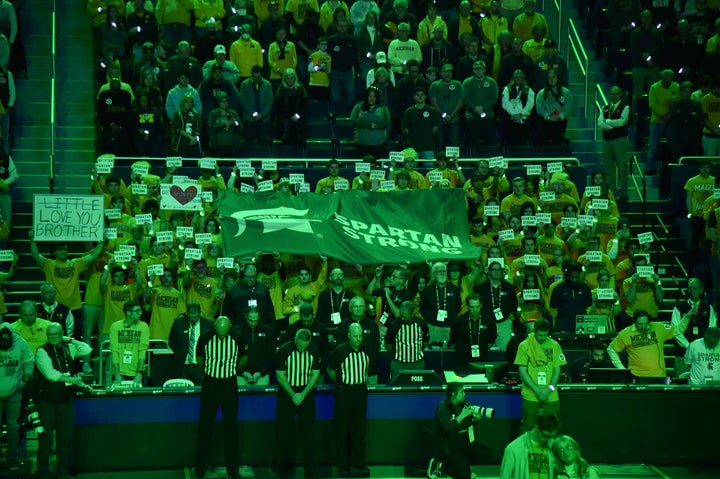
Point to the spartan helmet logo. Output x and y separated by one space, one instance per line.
274 219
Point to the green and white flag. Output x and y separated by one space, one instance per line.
359 227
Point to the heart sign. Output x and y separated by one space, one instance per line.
183 196
180 197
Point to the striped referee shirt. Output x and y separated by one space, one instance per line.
222 356
351 367
298 366
407 339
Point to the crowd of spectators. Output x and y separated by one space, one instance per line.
204 78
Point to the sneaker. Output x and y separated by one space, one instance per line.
433 468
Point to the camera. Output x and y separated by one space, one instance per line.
33 417
484 412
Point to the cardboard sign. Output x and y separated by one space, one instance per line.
593 256
185 197
341 185
139 189
555 167
111 233
123 256
605 294
269 165
193 253
452 151
592 191
491 210
113 214
184 232
600 204
68 217
6 255
435 176
297 178
362 167
245 188
143 219
569 222
531 294
266 185
164 236
528 220
532 259
506 235
388 185
645 271
227 263
208 163
645 238
155 269
543 218
547 196
396 156
533 170
377 175
173 162
203 238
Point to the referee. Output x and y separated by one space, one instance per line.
405 340
298 370
220 354
351 365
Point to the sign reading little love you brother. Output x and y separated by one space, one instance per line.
68 217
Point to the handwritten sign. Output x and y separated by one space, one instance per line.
180 197
69 217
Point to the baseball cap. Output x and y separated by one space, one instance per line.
479 64
219 49
550 44
448 67
380 57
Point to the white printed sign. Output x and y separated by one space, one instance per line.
593 256
547 196
193 253
362 167
555 167
164 236
491 210
645 238
533 170
506 235
203 238
184 231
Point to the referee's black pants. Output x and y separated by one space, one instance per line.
214 393
285 420
350 417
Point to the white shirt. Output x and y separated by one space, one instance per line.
704 363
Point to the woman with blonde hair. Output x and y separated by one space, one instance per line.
569 463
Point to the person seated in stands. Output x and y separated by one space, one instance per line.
261 342
703 358
580 368
609 307
553 104
524 265
644 342
333 169
186 126
570 297
417 180
405 341
291 107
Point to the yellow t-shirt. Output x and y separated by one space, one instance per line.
66 278
540 360
203 292
35 335
114 299
645 350
644 296
167 304
700 189
128 345
592 268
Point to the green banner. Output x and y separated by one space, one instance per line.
359 227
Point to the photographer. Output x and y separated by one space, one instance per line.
57 384
455 440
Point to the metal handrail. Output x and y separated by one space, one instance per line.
641 193
53 66
558 7
682 268
578 50
600 102
683 159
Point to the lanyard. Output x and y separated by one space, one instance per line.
332 302
437 295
